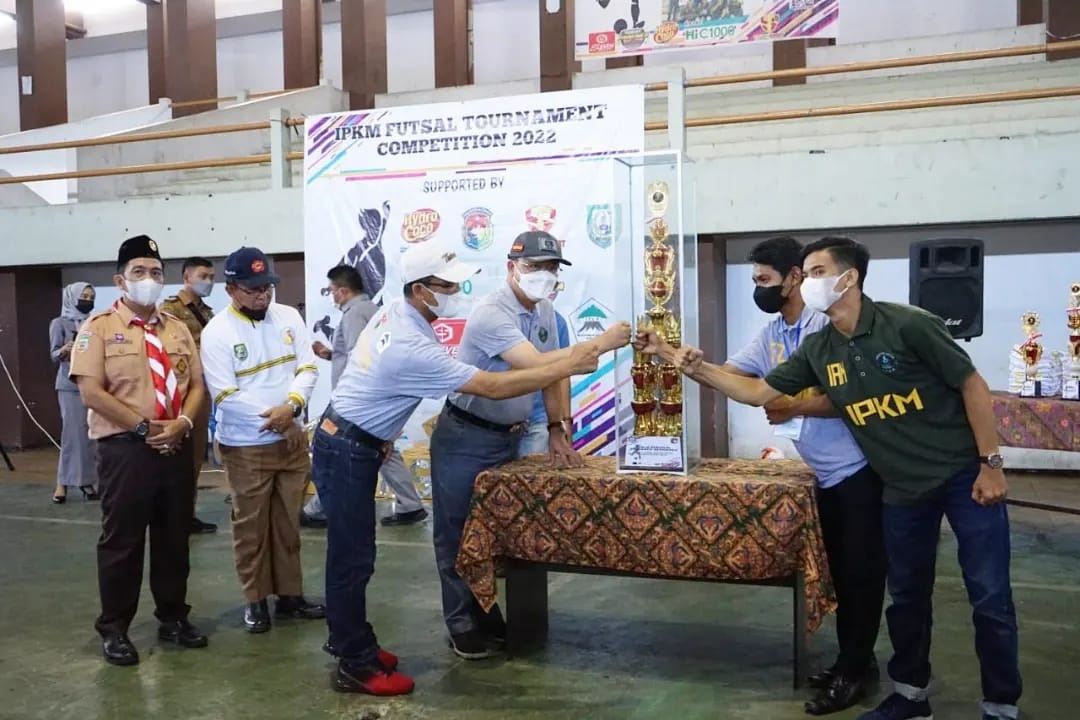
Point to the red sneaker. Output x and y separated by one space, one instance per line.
388 659
372 680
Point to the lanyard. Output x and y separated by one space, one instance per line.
784 337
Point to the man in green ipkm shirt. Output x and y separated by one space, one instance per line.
923 417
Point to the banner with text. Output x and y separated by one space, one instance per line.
614 28
472 176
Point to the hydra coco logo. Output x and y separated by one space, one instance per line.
590 320
419 225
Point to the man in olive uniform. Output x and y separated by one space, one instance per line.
189 307
140 376
924 418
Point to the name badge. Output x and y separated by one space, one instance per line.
792 429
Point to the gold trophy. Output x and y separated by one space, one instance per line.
643 373
1032 351
1070 386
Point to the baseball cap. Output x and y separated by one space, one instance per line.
429 259
537 245
249 267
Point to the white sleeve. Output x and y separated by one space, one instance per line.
220 375
307 372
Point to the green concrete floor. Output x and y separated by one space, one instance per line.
620 649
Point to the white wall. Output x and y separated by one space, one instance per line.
1045 291
506 48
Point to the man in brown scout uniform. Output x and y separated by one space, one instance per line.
189 307
140 376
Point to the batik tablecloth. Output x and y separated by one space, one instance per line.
735 520
1039 423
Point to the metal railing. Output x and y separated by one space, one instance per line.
676 125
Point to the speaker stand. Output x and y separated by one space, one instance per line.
7 460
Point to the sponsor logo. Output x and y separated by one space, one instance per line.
240 352
666 32
541 217
590 320
258 266
633 38
603 224
449 333
601 42
769 23
887 362
287 336
420 225
477 229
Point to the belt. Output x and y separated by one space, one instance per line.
479 421
338 426
128 436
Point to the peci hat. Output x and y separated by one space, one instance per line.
428 259
537 245
140 246
249 267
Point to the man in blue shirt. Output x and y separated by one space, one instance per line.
535 439
849 491
396 362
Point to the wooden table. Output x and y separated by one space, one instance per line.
731 521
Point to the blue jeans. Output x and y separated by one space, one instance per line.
982 533
535 440
346 473
459 452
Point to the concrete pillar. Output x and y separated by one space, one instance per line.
302 37
190 53
1062 23
453 60
155 51
363 51
42 60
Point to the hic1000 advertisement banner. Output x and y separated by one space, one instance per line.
615 28
472 176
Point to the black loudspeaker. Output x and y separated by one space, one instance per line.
947 280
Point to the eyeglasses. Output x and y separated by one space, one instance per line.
551 266
255 292
141 273
440 285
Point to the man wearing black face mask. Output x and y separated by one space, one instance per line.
849 491
260 370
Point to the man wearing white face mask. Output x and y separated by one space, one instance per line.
139 374
924 418
189 306
513 327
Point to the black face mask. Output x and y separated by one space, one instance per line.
770 298
84 306
253 314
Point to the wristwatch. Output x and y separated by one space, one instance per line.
994 460
297 408
142 429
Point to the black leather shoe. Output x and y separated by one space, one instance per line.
312 522
297 607
409 518
823 679
257 617
842 693
118 650
198 527
182 633
329 649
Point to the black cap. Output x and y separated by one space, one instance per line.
140 246
249 267
537 245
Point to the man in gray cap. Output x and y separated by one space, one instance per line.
512 328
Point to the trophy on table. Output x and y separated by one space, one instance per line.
1070 385
1031 350
657 403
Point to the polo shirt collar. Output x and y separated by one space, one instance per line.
348 304
867 316
512 297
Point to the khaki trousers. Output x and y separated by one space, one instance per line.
267 483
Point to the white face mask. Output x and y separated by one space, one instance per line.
143 292
538 284
202 288
447 306
819 293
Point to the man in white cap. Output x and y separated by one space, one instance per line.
396 362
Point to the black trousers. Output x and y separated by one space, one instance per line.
851 527
142 488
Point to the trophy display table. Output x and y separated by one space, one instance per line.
729 521
1037 423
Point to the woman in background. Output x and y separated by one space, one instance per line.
77 468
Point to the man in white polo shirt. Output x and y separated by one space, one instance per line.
260 370
396 362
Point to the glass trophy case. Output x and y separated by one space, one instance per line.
659 410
